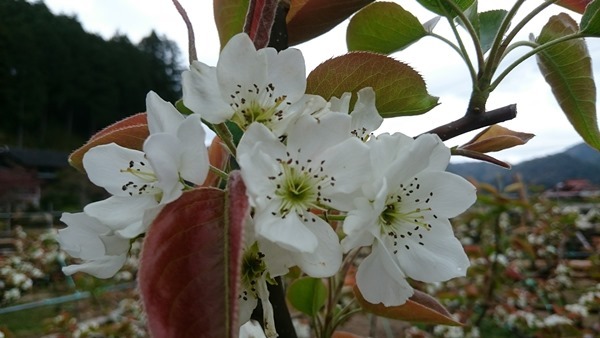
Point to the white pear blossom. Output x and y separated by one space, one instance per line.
173 158
247 85
103 252
290 185
404 214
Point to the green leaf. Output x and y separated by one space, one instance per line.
383 27
230 16
489 24
307 295
567 68
445 9
399 89
590 21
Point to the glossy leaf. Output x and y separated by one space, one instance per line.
590 21
445 9
421 308
230 16
399 89
130 132
383 27
568 70
496 138
307 295
489 24
574 5
308 19
190 264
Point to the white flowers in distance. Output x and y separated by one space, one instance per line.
303 159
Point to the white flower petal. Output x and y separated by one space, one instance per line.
251 329
288 232
365 117
193 164
201 93
314 136
164 153
287 71
163 117
104 166
447 194
240 65
104 267
80 239
119 212
380 280
441 257
326 259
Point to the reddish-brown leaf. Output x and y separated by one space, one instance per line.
574 5
130 132
308 19
190 263
259 20
421 308
496 138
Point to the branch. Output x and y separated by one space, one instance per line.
471 122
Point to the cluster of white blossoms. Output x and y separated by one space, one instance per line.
304 161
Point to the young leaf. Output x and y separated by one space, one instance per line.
307 295
131 132
259 20
308 19
429 25
190 263
399 89
445 9
590 21
230 16
421 308
489 23
568 70
574 5
383 27
496 138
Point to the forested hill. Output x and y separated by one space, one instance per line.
59 84
578 162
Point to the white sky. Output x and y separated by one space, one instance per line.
444 72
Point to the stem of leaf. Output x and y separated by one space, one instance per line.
532 52
225 136
493 59
462 48
222 175
470 29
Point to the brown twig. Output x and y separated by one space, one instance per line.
470 122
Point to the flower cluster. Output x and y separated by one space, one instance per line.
314 172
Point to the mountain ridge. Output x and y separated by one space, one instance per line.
577 162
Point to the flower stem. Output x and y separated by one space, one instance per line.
225 136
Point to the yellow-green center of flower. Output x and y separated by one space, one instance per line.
404 216
298 190
256 104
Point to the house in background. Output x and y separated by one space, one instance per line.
574 188
23 173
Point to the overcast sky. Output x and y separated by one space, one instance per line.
445 74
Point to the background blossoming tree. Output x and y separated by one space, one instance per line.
298 189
